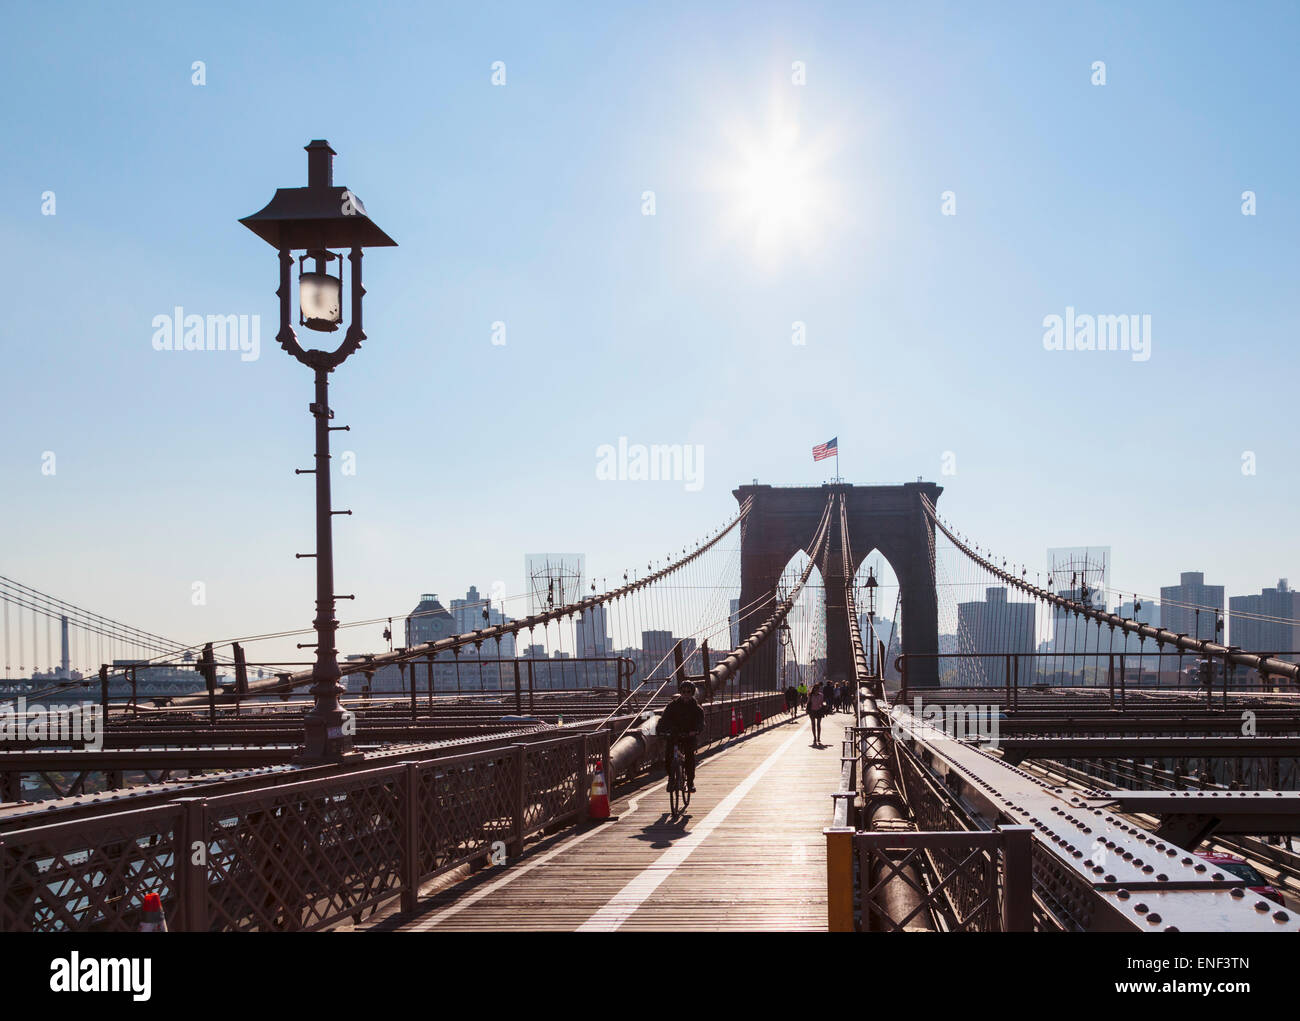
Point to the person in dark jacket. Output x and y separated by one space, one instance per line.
792 700
816 709
679 724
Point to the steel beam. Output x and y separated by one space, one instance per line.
1099 871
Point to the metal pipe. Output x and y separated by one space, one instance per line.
884 806
637 745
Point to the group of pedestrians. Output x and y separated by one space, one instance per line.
824 698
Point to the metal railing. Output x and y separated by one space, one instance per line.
298 856
1114 675
982 881
897 879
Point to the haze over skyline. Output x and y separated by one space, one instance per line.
798 280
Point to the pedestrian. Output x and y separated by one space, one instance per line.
803 694
816 709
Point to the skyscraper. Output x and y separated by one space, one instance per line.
476 611
1148 613
429 622
1191 607
996 626
593 633
656 649
1249 629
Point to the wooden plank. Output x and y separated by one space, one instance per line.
762 866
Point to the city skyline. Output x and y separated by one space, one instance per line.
1251 609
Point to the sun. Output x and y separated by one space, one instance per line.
772 190
774 193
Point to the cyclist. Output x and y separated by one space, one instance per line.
679 724
803 694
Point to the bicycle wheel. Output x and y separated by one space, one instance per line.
675 792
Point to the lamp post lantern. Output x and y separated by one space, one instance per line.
313 220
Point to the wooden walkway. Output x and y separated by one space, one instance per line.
749 855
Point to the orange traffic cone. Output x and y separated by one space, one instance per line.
154 920
735 722
598 800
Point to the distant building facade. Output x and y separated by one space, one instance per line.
429 622
475 612
593 633
1192 607
1147 613
997 626
1254 624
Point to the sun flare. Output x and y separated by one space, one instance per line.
774 191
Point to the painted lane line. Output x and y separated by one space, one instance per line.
565 845
622 905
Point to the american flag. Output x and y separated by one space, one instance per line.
825 450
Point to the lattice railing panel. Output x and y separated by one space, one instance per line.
964 881
462 808
552 784
296 856
304 856
87 875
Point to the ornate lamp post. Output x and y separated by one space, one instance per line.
313 220
871 584
784 637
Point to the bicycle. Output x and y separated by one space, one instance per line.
679 794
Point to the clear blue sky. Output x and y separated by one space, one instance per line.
523 204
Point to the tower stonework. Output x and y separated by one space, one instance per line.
886 519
